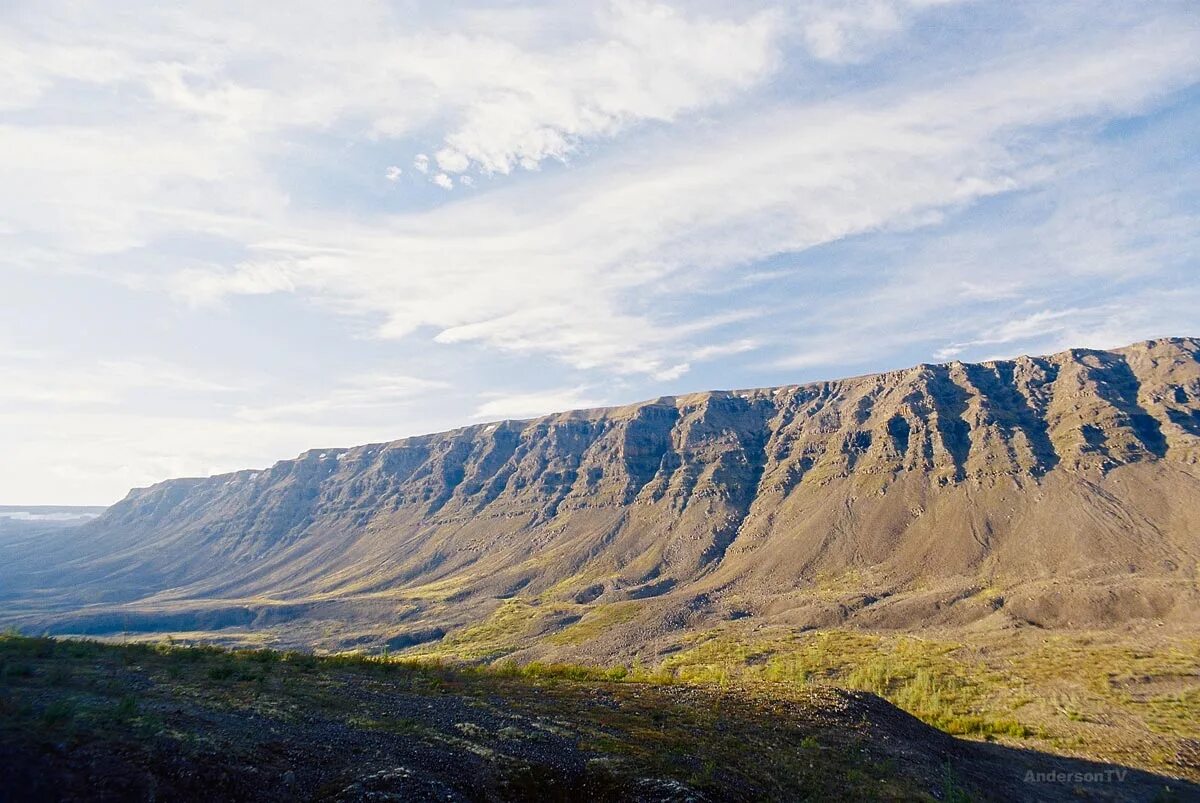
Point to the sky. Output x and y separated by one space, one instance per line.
231 232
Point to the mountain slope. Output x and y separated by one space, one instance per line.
1065 487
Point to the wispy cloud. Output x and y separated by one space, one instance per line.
34 381
424 204
553 269
534 403
645 61
350 399
847 31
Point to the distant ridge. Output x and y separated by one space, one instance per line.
32 519
51 511
1058 491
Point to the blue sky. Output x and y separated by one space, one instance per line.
230 235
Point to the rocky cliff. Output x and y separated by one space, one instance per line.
1060 490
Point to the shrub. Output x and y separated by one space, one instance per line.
19 670
127 708
222 671
59 712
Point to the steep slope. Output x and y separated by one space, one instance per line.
1071 483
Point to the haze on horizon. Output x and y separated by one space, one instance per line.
233 233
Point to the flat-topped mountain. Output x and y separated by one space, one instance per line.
1057 491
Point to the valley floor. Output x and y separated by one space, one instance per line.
87 721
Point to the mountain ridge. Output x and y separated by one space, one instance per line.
674 398
926 483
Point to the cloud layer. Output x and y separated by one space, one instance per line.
363 221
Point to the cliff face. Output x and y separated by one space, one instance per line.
1083 465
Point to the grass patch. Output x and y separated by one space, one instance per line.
1065 691
598 621
497 635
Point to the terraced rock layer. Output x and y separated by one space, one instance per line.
1059 491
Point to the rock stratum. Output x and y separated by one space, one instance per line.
1059 491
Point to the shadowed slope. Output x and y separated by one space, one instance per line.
1082 465
85 721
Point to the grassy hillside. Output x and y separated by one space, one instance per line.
83 720
1131 697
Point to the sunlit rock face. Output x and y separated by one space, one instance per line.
1080 468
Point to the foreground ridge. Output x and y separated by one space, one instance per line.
152 721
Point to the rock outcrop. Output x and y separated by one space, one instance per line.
895 499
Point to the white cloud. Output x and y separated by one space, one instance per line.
354 395
393 173
947 353
37 381
846 30
204 152
107 189
443 181
1152 312
572 267
528 405
452 161
647 62
200 286
1100 257
92 457
738 346
828 349
1039 325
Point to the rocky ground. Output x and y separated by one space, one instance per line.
85 721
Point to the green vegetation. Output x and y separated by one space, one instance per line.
599 620
255 723
517 622
1070 693
917 675
1080 695
494 637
